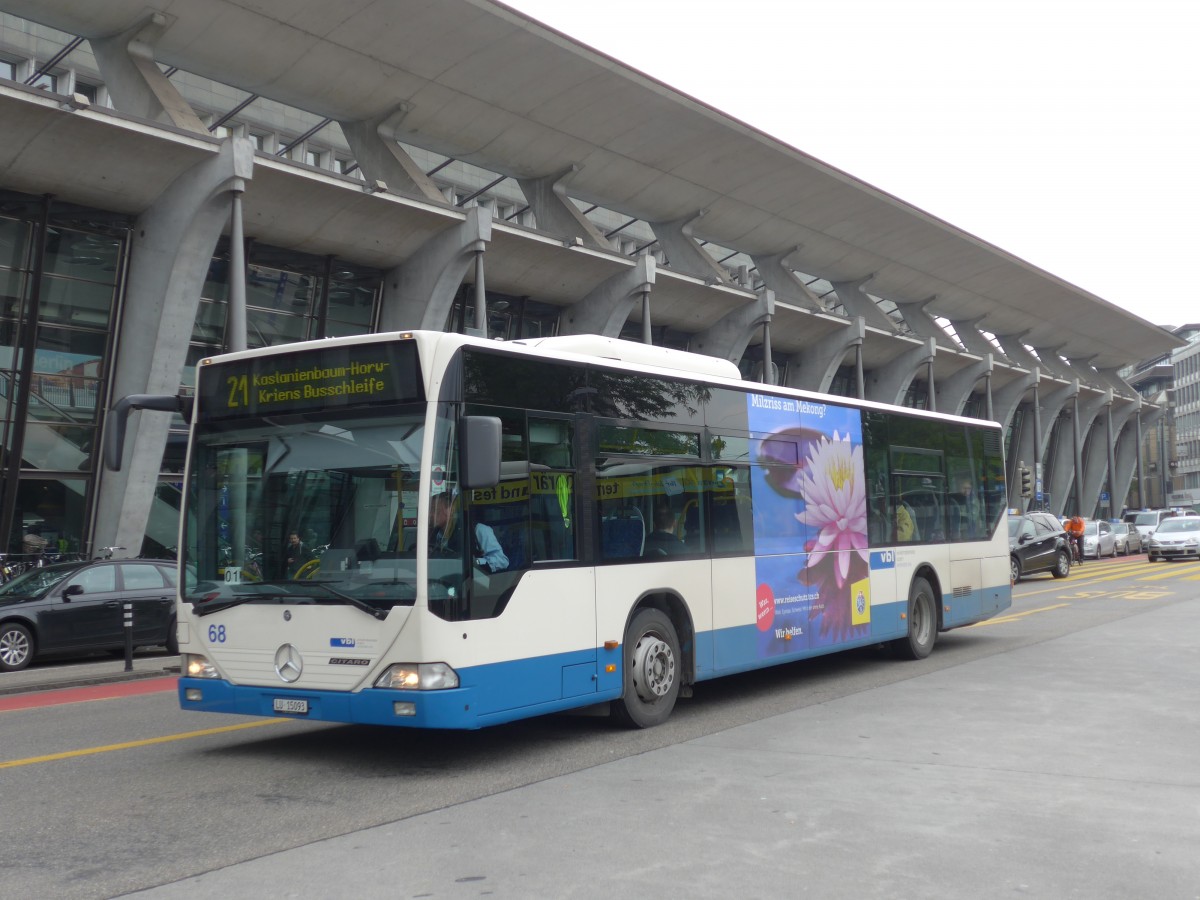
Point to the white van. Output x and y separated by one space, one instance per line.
1148 520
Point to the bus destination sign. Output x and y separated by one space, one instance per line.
310 380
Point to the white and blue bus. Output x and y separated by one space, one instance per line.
659 522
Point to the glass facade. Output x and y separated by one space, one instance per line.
62 273
61 268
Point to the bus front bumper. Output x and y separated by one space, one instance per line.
371 706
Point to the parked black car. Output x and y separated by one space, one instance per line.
77 607
1037 543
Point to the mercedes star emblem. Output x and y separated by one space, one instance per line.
288 663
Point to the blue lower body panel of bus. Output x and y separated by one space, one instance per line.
457 708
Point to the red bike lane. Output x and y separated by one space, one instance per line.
88 693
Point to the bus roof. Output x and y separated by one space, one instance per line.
613 351
639 354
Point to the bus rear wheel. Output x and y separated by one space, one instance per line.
652 671
922 623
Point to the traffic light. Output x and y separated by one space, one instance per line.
1026 481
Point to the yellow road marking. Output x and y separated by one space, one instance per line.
1125 571
1015 616
127 745
1172 572
1091 579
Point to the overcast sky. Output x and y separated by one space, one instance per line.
1066 132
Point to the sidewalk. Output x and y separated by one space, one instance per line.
51 675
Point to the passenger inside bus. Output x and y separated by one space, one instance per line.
965 513
663 541
906 524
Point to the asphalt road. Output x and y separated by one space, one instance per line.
1027 756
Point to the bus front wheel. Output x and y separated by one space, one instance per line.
652 670
922 623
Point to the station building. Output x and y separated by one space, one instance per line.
460 166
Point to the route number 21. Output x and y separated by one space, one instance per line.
239 391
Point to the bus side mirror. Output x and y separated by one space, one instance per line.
480 451
114 438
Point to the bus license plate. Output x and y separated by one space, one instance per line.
292 707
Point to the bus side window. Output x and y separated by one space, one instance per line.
509 523
552 510
622 532
732 511
691 526
551 489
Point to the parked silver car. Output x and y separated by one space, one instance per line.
1129 539
1098 539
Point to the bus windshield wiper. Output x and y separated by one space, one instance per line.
354 601
203 609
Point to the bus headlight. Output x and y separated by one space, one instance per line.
418 677
199 667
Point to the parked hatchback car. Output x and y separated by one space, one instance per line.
1037 543
1099 539
1176 538
1128 539
78 607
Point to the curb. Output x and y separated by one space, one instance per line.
86 680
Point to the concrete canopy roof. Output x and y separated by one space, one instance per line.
486 85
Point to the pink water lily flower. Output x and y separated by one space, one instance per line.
835 500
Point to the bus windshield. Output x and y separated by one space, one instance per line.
318 510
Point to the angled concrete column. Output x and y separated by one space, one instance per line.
783 281
973 340
420 293
814 367
922 324
730 336
607 306
1098 448
1112 379
1094 454
684 253
953 392
1020 355
172 248
888 383
135 82
1054 364
381 158
1067 465
1086 372
1126 455
858 303
1051 403
556 214
1006 400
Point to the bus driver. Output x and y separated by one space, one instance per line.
486 550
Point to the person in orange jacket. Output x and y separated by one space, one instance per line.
1074 529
